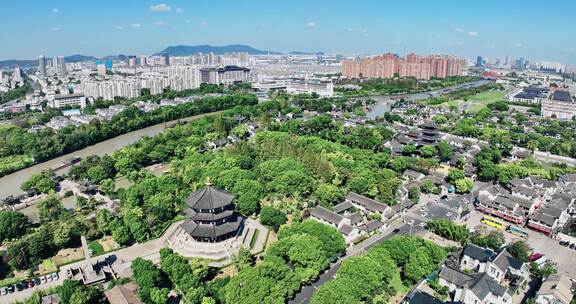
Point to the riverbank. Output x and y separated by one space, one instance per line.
10 184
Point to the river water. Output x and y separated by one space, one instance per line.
384 103
10 184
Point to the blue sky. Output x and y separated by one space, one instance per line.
538 30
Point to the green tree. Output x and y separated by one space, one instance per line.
272 217
12 224
329 195
159 295
409 149
464 185
519 250
449 230
427 186
243 259
428 151
444 151
86 295
50 209
67 289
414 194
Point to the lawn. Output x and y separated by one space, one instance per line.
474 103
47 266
487 97
67 256
108 244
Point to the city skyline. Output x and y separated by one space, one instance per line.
495 29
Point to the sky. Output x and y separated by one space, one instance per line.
536 30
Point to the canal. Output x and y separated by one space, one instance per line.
10 184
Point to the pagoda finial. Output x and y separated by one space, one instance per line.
207 183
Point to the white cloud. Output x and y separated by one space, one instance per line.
162 7
204 24
119 27
179 10
56 29
472 34
519 45
311 24
136 25
349 29
459 30
55 10
160 23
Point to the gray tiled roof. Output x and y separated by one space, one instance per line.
368 203
209 198
484 285
346 229
212 231
342 207
505 260
326 215
478 253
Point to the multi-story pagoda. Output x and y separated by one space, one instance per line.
430 134
211 216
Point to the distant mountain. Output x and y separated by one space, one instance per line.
187 50
306 53
34 62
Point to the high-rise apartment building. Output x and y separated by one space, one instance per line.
42 66
59 65
18 75
389 65
183 78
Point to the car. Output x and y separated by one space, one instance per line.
10 289
24 284
572 246
410 222
36 281
424 214
43 279
564 243
55 276
422 209
444 196
19 287
422 225
3 291
48 278
535 257
396 230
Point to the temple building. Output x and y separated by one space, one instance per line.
211 216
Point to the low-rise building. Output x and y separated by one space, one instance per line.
556 289
69 100
473 288
559 106
476 258
123 294
324 88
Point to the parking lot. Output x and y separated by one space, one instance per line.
28 286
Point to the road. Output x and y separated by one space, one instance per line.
307 291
